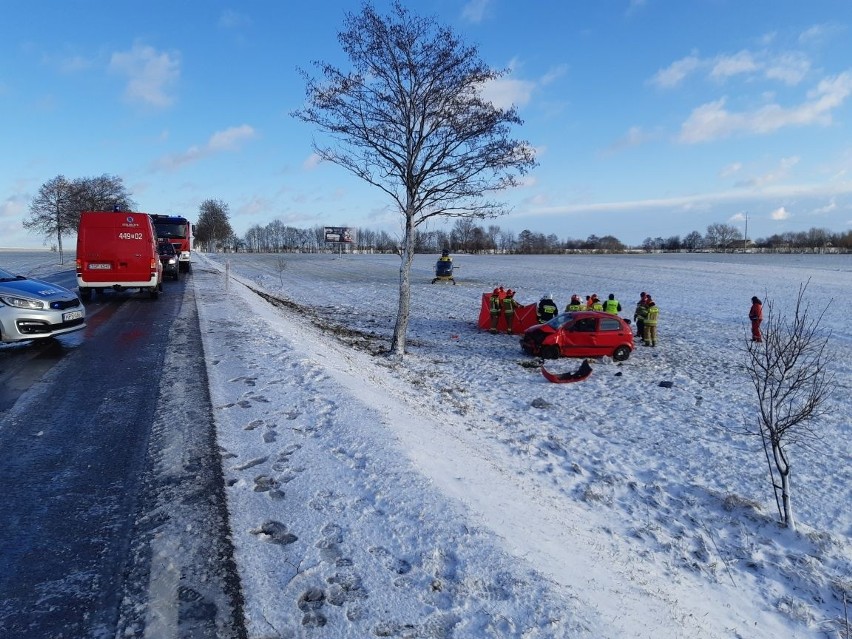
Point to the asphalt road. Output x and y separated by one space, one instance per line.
107 461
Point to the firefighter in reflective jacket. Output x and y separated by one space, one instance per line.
547 309
612 305
575 304
594 303
495 305
509 306
650 326
640 313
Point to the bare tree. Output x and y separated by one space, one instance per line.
411 119
790 377
55 210
722 236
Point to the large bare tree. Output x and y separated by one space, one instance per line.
55 210
789 373
410 118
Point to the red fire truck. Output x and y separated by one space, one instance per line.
177 231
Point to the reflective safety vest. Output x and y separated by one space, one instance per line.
611 306
640 312
596 306
509 305
548 309
575 306
651 317
495 304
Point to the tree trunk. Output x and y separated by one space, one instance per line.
59 238
783 468
404 308
787 500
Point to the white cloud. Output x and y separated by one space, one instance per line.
230 139
475 10
731 169
780 214
737 64
828 208
311 162
230 19
506 91
227 140
790 68
151 74
712 121
780 173
676 72
635 136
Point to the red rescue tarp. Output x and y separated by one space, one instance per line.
525 316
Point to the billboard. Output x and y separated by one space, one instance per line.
342 234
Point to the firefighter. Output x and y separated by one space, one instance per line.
495 305
639 314
547 309
509 306
612 305
594 303
575 304
650 324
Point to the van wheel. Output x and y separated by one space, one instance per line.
86 294
155 293
621 353
550 352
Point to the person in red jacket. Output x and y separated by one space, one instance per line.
755 314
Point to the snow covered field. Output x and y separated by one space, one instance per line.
459 494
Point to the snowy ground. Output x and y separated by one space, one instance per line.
459 494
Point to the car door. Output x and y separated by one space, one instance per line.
580 338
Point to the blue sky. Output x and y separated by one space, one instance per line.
650 117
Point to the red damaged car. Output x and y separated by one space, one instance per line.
580 334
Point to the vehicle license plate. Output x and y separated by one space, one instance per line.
99 267
71 315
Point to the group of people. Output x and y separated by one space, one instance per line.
547 308
502 301
645 315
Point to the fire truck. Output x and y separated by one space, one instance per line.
177 231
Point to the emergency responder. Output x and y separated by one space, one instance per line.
640 313
612 305
509 306
495 305
755 314
595 303
547 308
650 324
575 304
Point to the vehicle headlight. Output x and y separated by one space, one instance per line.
172 260
23 302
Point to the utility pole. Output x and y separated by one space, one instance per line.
745 239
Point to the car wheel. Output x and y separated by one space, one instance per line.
155 293
621 353
86 294
550 352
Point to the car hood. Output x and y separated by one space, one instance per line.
36 289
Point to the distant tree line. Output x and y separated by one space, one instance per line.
468 237
726 237
55 213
